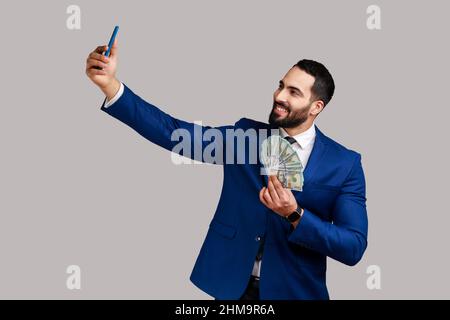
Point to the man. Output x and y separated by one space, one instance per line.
265 241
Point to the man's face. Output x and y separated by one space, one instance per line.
292 100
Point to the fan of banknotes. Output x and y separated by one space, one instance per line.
280 159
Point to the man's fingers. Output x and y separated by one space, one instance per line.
272 191
95 72
98 56
281 191
95 63
101 49
267 197
277 184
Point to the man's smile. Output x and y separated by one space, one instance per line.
280 110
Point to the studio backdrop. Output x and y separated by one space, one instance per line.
90 209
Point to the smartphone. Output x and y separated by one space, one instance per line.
111 41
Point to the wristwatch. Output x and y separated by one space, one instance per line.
294 216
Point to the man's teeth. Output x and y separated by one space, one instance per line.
280 109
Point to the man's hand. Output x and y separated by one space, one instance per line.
102 70
277 198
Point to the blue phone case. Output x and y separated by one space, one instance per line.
111 41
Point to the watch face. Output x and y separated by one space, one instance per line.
294 216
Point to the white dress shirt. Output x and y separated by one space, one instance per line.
116 97
303 146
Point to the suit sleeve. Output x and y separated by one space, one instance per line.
201 143
345 239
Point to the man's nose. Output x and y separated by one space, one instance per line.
280 97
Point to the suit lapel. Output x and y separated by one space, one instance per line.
319 149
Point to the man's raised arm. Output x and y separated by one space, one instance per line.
187 139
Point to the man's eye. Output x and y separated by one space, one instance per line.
294 93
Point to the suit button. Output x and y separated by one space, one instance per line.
258 238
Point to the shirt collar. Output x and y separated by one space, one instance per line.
304 138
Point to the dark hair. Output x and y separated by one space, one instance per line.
323 88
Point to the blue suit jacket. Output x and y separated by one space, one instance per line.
334 223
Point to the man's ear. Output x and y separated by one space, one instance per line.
317 107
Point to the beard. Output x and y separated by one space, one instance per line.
291 120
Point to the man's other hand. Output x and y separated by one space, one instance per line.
278 198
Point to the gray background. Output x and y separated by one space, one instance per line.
78 187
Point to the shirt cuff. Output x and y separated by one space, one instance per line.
116 97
